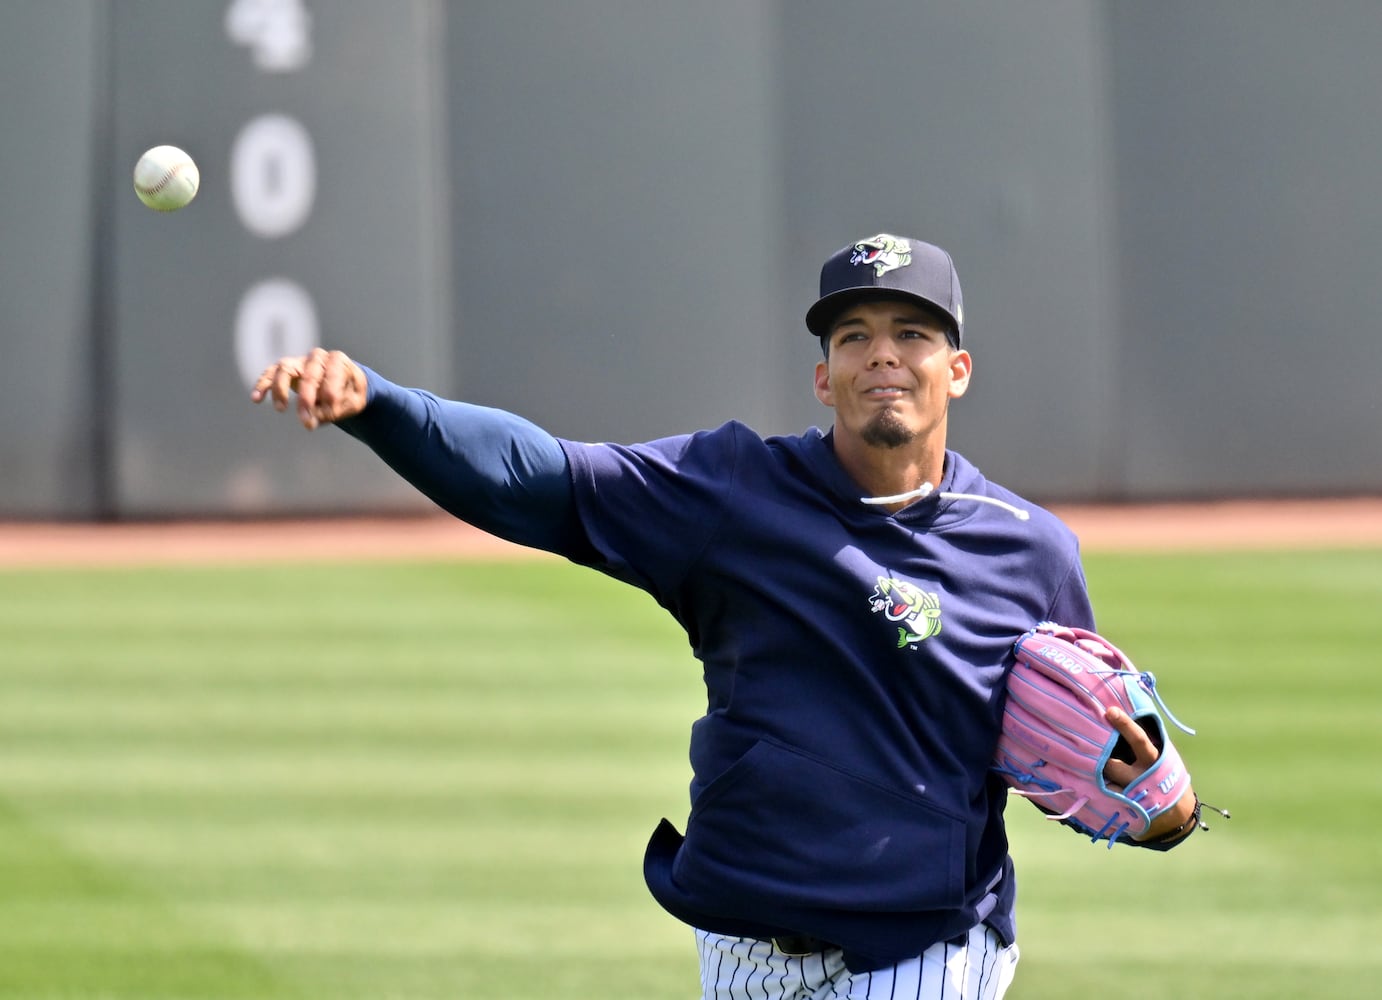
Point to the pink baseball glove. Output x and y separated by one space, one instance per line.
1056 742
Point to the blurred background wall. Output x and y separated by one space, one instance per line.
609 216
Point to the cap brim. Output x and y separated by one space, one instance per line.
821 316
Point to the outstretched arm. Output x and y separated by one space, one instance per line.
486 466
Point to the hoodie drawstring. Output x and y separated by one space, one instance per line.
925 490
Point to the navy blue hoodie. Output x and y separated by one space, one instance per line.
854 658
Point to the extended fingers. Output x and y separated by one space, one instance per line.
329 386
278 381
1142 746
309 387
1144 751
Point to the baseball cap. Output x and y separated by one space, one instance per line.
887 266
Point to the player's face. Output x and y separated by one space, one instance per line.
890 374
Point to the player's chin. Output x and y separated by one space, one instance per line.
887 429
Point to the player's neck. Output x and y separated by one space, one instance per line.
885 472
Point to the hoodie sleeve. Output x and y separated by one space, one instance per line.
488 467
1071 605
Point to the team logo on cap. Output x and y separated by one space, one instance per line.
883 252
916 611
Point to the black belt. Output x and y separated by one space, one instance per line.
800 945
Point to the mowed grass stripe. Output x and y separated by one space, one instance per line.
417 781
75 925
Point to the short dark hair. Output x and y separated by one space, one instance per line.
938 316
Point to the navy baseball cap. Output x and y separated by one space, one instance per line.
887 266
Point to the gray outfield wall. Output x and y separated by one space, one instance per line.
608 216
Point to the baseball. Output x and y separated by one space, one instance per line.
165 178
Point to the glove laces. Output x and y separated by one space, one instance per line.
1147 680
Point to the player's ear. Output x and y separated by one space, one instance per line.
823 392
961 366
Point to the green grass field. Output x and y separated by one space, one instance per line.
417 781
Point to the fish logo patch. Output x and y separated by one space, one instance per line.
916 612
883 253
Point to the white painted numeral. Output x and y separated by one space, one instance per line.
273 175
276 317
278 33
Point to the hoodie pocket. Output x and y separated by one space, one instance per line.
784 825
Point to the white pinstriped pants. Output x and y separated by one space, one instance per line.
734 968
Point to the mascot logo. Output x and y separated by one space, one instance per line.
883 252
917 612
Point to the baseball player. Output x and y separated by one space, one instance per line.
853 596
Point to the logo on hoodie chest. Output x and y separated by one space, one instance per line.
915 613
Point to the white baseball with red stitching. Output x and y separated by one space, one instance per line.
166 178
